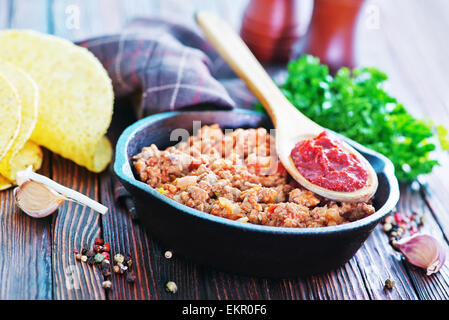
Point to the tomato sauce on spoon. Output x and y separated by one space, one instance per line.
322 161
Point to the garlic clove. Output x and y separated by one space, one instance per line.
423 251
69 194
37 200
438 264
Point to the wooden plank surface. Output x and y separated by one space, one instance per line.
73 227
409 44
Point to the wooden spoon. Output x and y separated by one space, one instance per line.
291 125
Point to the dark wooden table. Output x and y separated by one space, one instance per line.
409 43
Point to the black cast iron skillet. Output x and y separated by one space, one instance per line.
234 246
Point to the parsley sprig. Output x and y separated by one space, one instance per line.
356 105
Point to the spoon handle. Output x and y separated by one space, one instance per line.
235 52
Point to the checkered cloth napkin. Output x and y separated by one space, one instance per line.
171 67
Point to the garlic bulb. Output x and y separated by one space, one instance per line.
423 251
36 200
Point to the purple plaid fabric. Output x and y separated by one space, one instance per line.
170 65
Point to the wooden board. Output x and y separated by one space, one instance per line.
36 258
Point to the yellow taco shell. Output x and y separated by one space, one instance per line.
10 115
75 95
29 97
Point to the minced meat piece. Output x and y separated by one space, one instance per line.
287 215
356 211
304 197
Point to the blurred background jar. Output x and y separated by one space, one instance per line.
331 32
271 28
279 30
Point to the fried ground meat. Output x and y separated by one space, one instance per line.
237 175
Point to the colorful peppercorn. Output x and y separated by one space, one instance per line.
84 249
99 254
106 255
106 247
389 284
91 260
119 258
128 261
99 258
105 269
107 284
122 267
90 253
399 225
171 287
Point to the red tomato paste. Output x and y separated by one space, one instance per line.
323 162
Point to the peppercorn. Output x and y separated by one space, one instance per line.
106 255
398 217
116 269
171 287
123 268
99 241
99 258
90 253
91 260
119 258
84 249
389 284
387 227
421 221
84 258
128 261
105 269
107 284
130 277
106 247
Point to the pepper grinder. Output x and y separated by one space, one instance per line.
330 35
270 28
